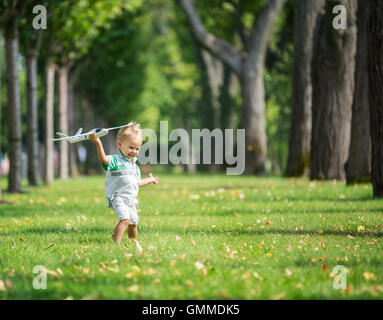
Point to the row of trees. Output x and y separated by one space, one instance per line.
333 104
164 60
334 81
72 27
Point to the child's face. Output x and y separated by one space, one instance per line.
130 146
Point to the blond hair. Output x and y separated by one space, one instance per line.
133 130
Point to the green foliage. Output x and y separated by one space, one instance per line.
142 68
73 24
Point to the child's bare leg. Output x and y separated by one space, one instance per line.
132 231
119 230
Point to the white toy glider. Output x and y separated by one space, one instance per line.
98 132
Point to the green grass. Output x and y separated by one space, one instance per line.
204 237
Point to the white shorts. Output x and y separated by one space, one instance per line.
125 209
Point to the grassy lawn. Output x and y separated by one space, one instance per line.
204 237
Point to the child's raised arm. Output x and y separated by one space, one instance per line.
100 149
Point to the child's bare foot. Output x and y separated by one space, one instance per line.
139 248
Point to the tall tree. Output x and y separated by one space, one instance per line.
1 84
9 18
249 66
375 74
76 25
358 166
30 39
50 68
305 18
333 86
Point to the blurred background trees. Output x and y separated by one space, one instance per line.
278 68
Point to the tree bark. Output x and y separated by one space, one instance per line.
375 69
63 122
49 123
358 166
72 128
14 107
333 85
214 70
253 116
32 124
1 109
305 19
249 67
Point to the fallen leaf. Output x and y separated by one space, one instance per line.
369 276
172 262
133 288
361 228
324 267
279 296
288 272
188 283
135 270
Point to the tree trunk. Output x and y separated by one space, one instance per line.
49 122
305 19
1 106
63 122
333 85
213 70
32 123
14 108
227 98
375 69
72 128
249 67
253 116
358 166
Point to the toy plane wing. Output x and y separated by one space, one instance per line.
65 137
98 132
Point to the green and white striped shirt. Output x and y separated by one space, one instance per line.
122 178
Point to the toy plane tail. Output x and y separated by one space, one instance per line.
62 135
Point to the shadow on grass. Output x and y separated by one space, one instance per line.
164 230
255 211
59 230
323 198
287 232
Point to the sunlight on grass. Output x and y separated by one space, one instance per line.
204 237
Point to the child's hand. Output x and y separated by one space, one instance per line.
155 180
93 138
